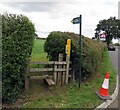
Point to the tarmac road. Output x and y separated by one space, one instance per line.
115 56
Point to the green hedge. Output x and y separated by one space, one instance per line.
92 52
17 41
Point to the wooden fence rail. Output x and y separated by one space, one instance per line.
60 71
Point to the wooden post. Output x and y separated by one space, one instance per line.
60 73
68 49
67 68
63 75
27 75
55 73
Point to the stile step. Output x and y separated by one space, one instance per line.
50 82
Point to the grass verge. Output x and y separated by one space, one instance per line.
38 54
69 96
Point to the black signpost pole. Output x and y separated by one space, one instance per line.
80 53
78 20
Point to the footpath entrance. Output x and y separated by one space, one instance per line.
54 72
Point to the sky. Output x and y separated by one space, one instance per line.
56 15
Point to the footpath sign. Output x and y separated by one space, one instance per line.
78 20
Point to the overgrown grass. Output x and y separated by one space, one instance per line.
69 96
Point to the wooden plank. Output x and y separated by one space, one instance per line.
50 62
61 62
38 77
47 69
40 69
50 82
61 69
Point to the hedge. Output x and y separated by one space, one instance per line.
17 41
92 51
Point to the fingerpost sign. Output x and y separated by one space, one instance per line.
78 20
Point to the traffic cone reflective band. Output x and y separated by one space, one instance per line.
104 92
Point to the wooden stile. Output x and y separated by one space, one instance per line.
60 71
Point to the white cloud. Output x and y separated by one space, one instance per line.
57 16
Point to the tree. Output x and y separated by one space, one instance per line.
112 28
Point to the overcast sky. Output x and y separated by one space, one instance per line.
57 15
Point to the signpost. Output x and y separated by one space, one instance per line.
102 36
78 20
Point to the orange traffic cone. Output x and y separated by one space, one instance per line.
104 93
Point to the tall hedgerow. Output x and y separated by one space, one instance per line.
17 41
92 51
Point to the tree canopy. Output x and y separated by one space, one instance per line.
111 26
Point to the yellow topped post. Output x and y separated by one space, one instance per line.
68 48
